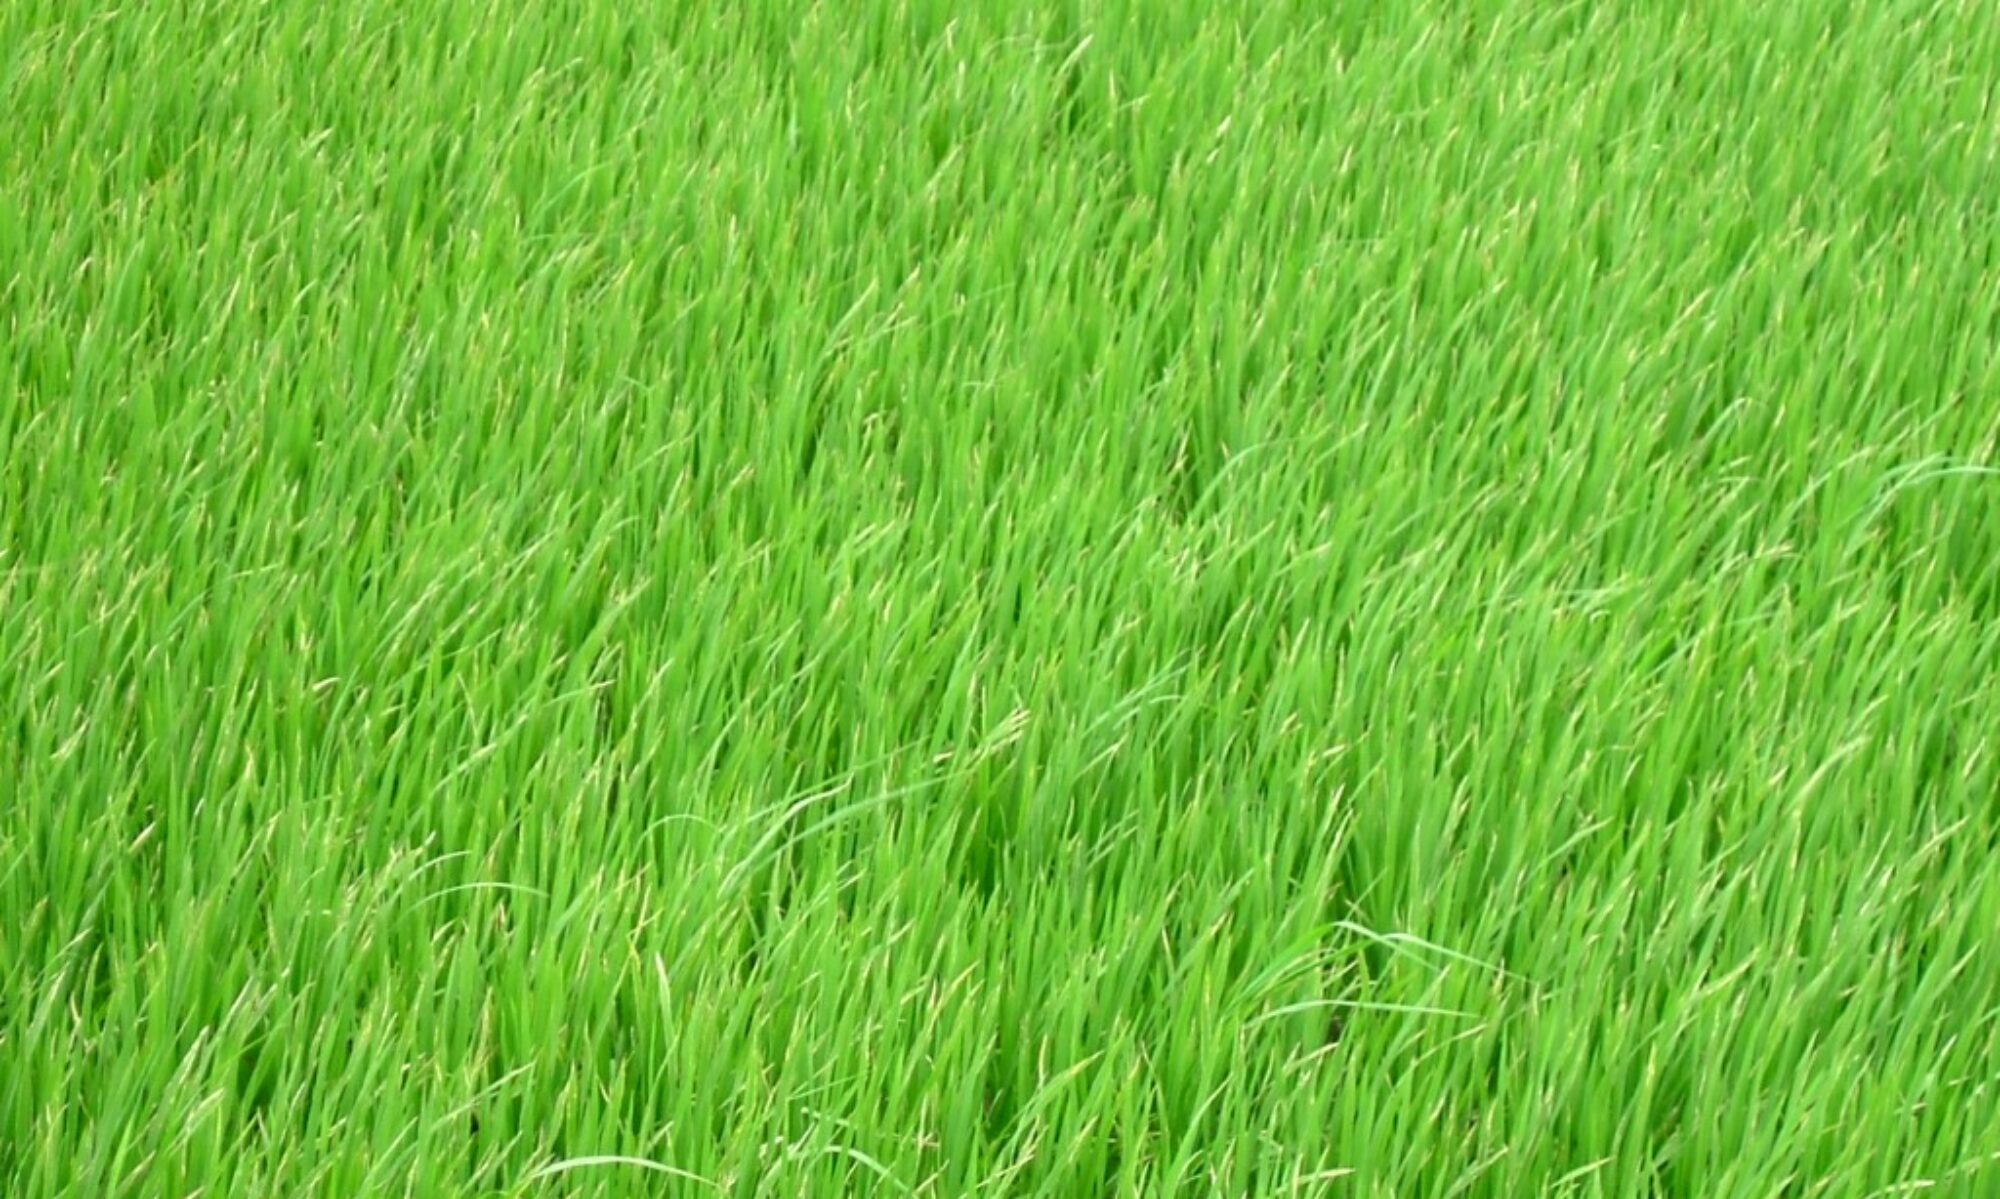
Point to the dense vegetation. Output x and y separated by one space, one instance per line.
1014 598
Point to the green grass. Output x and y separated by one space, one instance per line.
1014 598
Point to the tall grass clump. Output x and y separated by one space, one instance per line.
1028 598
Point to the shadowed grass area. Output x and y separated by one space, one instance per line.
1059 598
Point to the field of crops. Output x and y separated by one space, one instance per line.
1392 599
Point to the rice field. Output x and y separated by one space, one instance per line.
1012 598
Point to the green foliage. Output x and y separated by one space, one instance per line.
1056 598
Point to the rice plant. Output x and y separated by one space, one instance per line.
1011 598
